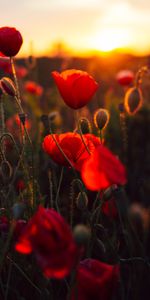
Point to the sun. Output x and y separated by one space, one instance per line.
110 39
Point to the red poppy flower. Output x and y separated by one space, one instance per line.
50 238
96 280
102 169
10 41
125 77
76 87
20 185
33 88
21 72
73 147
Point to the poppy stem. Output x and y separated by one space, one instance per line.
124 135
50 188
58 190
101 136
18 101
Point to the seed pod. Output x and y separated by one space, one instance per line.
8 86
85 125
81 234
101 118
82 201
133 100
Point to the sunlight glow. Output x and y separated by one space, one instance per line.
109 39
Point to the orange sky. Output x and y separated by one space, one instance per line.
84 25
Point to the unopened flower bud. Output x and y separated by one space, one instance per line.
85 125
18 210
82 201
133 100
8 86
108 193
81 234
101 118
6 170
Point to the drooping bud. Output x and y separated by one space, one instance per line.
101 118
81 234
108 193
8 86
85 125
82 201
6 170
133 100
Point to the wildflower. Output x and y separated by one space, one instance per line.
20 185
33 88
10 41
125 77
72 146
50 238
21 72
76 87
96 280
102 170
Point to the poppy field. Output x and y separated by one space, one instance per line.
74 180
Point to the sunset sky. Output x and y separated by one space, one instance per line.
83 25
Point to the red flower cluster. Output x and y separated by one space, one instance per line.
96 280
73 147
102 169
33 88
76 87
49 237
125 77
10 41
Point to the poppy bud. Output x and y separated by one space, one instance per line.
81 234
8 86
82 201
108 193
101 118
6 170
133 100
85 125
